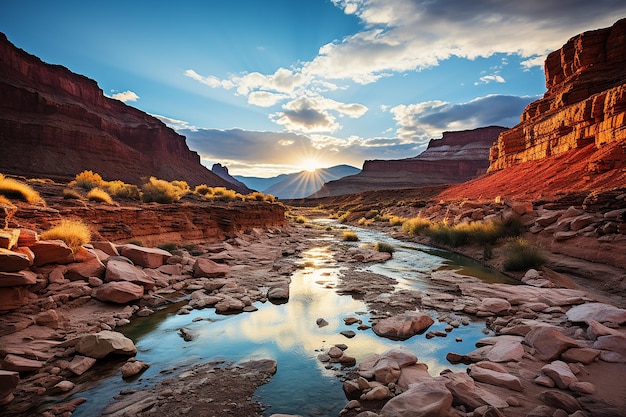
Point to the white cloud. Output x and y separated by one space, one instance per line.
125 96
486 79
175 123
265 98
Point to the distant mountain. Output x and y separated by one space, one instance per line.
222 172
300 184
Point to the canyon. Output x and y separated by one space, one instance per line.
55 123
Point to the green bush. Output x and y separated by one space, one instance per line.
350 236
384 247
521 255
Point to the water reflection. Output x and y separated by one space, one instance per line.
288 333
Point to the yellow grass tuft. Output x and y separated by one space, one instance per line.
87 180
161 191
74 233
99 195
350 236
71 194
11 188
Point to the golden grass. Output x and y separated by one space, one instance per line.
350 236
416 225
301 219
99 195
87 180
74 233
521 255
121 189
11 188
161 191
71 194
396 220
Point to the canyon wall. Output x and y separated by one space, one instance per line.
456 157
585 102
55 123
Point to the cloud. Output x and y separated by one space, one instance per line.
175 123
314 114
423 121
408 35
265 98
125 96
486 79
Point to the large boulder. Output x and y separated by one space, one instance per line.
596 311
14 279
18 363
549 342
403 326
146 257
489 376
123 271
120 292
90 267
207 268
560 373
51 252
424 399
11 261
468 394
99 345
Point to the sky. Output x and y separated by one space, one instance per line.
278 86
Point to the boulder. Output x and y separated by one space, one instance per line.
562 400
17 363
14 279
596 329
120 292
467 393
207 268
122 271
145 257
379 393
506 350
51 318
549 342
412 374
596 311
8 383
495 305
81 364
560 373
12 261
132 368
92 267
12 297
27 237
489 376
99 345
229 305
403 326
106 247
580 355
386 371
613 343
421 400
278 292
401 357
51 252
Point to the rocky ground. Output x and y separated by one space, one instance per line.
513 372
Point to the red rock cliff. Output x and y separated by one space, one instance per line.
585 102
56 123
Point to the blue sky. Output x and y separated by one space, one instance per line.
268 87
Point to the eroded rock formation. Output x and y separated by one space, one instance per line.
455 158
585 102
55 123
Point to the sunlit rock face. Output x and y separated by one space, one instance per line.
56 123
585 102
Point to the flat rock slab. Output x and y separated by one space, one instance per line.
17 363
403 326
120 292
145 257
207 268
11 261
596 311
15 279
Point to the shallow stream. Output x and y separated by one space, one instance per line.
288 332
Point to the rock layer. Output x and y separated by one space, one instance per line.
585 103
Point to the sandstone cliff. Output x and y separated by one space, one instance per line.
55 123
585 102
457 157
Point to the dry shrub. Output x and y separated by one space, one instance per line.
99 195
122 190
396 221
201 189
74 233
70 194
160 191
11 188
521 255
416 225
87 180
223 193
350 236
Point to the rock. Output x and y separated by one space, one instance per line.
99 345
560 373
81 364
51 252
17 363
229 305
84 270
278 292
506 350
204 267
51 318
465 392
132 368
335 352
495 305
14 279
583 387
545 381
613 343
8 239
596 311
421 400
63 386
403 326
401 357
386 371
549 342
379 393
559 399
8 383
491 377
120 292
12 297
321 322
12 261
596 329
106 247
412 374
145 257
581 355
348 333
121 271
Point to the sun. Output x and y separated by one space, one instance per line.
310 164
